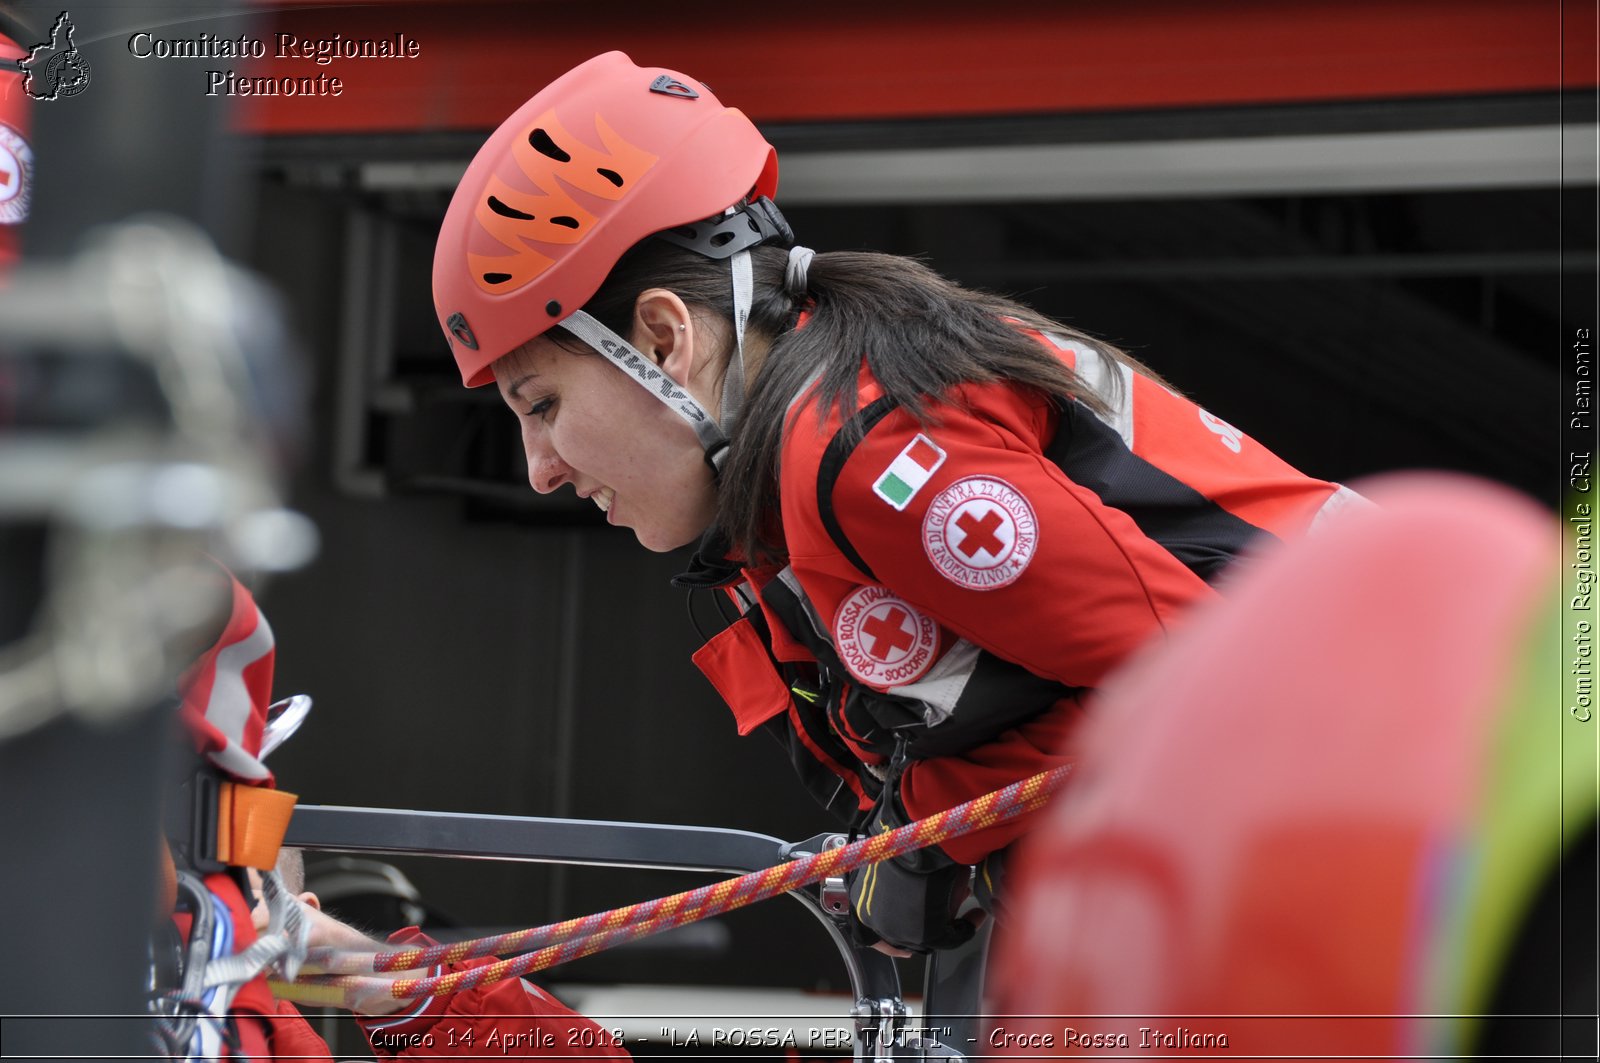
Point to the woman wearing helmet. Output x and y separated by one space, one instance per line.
943 516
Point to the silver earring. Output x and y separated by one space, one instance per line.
682 327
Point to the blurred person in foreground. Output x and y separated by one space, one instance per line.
219 883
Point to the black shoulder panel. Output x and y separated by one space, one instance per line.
1194 529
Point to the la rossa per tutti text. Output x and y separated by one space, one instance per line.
320 51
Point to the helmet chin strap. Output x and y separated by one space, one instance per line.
649 376
729 235
713 433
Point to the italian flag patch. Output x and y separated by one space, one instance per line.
910 469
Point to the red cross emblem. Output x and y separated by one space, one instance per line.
882 639
889 632
15 160
980 534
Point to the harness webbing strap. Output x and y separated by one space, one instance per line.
573 938
744 286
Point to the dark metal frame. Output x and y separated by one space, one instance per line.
953 980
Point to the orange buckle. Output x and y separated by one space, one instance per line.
251 822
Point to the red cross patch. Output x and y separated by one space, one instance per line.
883 640
16 176
980 532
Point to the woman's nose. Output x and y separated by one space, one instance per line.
546 470
547 474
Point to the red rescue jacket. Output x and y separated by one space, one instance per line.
955 588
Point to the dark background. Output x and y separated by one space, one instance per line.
474 647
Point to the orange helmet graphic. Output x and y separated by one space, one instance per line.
606 155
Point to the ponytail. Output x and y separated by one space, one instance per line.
921 336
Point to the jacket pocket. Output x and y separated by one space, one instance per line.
737 664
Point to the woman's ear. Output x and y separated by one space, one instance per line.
664 332
310 900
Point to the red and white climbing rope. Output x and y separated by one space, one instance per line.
558 943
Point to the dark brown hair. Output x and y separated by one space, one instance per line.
920 334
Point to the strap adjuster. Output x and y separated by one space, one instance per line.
741 228
213 823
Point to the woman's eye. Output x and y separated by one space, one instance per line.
541 407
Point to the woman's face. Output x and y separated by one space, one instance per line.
586 423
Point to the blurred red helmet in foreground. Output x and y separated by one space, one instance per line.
1319 813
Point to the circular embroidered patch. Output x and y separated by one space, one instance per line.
16 176
882 640
980 532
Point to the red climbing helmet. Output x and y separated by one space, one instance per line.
602 157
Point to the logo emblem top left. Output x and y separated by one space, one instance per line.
55 69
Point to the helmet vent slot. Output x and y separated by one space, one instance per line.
496 278
508 212
610 175
565 221
540 141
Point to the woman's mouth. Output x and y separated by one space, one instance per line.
603 498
